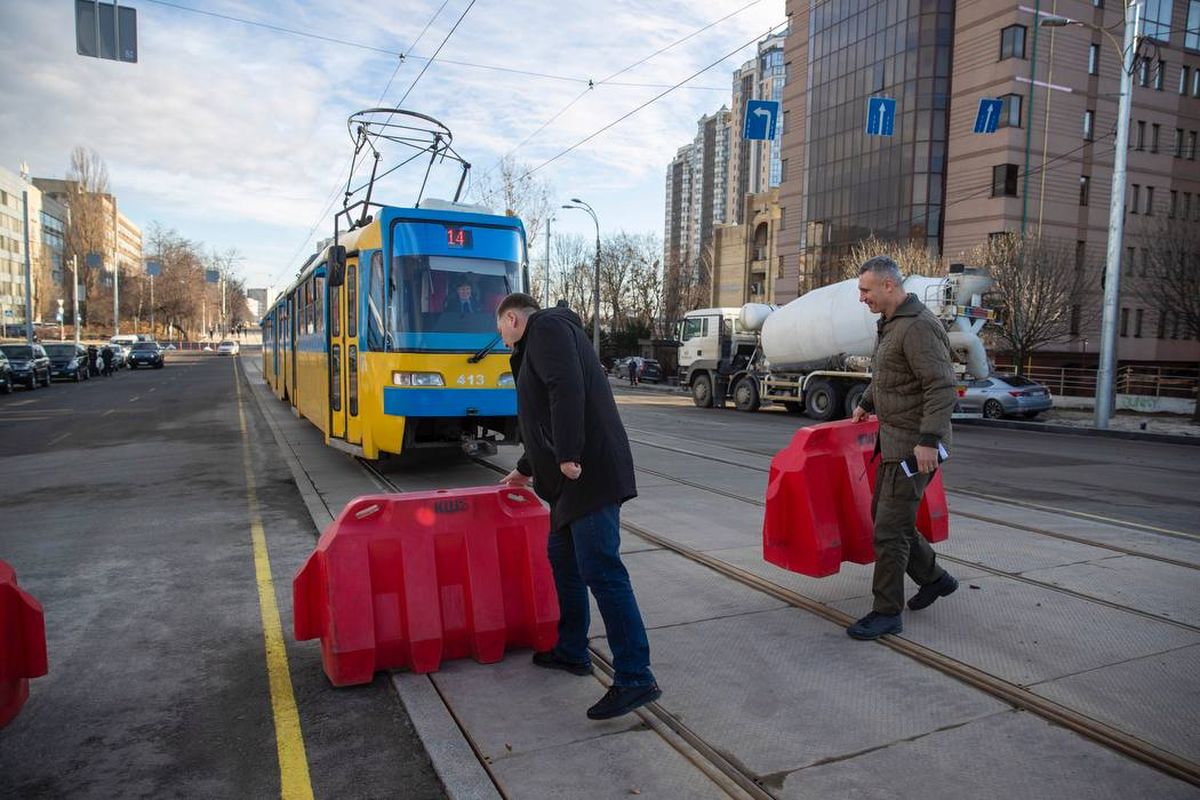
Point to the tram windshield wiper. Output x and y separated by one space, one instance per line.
475 359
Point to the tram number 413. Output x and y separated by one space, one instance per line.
471 380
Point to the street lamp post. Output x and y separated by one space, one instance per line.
596 283
1106 373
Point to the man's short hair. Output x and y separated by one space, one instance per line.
883 267
518 301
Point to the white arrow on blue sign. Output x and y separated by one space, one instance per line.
761 117
881 116
988 115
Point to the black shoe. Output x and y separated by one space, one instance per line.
874 625
932 591
620 700
550 660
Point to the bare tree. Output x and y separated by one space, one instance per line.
509 188
91 211
912 258
574 268
1170 282
1037 288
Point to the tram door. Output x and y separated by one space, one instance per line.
293 335
336 346
350 352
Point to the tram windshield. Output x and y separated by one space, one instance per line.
446 282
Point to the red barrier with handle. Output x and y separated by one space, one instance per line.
407 580
22 644
819 500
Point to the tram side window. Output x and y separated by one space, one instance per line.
352 301
335 312
319 304
375 304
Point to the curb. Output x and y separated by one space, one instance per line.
454 761
1070 430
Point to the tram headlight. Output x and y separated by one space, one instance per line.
417 379
506 380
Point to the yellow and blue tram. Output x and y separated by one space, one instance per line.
386 340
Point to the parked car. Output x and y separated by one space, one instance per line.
68 361
651 370
7 378
30 364
227 348
146 354
1003 394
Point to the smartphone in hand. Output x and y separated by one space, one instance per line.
909 465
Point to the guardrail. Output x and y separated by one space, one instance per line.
1145 380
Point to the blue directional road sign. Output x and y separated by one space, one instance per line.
761 116
881 116
93 260
212 276
153 269
988 115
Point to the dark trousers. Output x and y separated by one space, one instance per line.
899 549
587 556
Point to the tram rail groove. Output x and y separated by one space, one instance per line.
971 514
728 777
1018 696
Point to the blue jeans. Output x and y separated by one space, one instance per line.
587 556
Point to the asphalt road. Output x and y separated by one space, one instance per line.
1146 482
124 510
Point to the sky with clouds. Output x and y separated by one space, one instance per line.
235 135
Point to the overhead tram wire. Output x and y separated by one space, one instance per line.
332 198
651 101
609 79
409 55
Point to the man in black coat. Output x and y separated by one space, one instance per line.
578 456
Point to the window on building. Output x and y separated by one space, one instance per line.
1143 72
1196 82
1098 3
1156 19
1140 136
1130 260
1145 261
1149 201
1085 188
1089 125
1124 321
1187 205
1138 318
1161 333
1010 111
1135 196
1004 180
1191 36
1155 129
1191 145
1160 75
1094 59
1074 321
1179 142
1183 80
1174 204
1012 42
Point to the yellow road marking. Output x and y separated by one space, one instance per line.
294 782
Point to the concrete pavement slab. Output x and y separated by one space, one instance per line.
1164 589
696 517
1156 698
780 690
1026 634
1011 549
1011 754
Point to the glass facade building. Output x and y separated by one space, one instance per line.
858 184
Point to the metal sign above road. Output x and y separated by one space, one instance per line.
881 116
153 269
761 119
988 116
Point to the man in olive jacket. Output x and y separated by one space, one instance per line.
578 456
912 392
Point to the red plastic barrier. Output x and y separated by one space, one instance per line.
819 500
409 580
22 644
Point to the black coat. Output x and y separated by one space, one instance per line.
566 412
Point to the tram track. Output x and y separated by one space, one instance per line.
1015 695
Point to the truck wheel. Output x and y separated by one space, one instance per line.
702 394
853 396
745 394
823 401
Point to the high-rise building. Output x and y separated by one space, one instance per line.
696 198
755 166
12 247
1047 169
121 239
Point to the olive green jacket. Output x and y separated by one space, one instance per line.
912 389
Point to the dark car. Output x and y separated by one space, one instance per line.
146 354
7 379
68 361
30 364
651 371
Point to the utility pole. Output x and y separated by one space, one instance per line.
28 273
546 299
75 294
116 271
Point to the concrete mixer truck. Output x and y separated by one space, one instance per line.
813 355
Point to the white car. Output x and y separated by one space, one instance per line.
227 348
